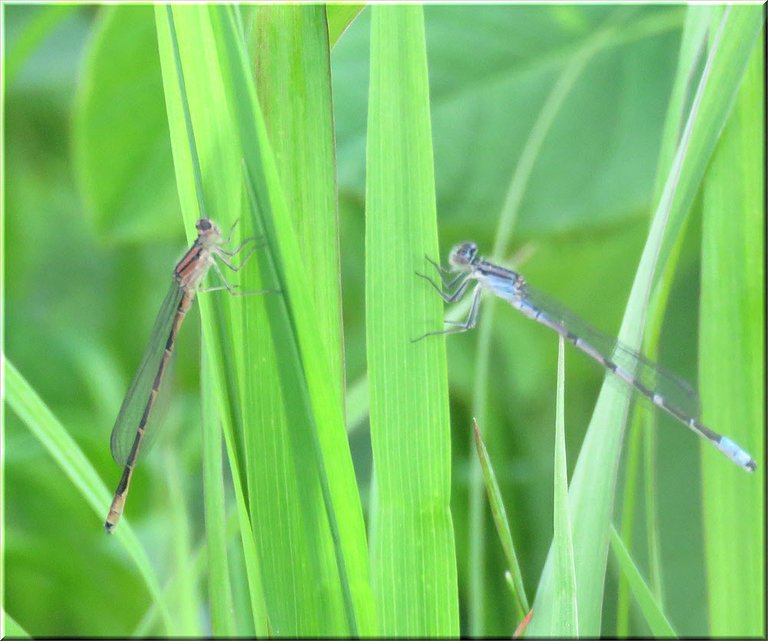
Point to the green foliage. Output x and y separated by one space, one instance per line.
310 479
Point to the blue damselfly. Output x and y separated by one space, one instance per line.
661 387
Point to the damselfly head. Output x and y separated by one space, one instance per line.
463 255
204 224
207 229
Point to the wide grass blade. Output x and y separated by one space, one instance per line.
593 483
320 463
732 347
290 49
413 554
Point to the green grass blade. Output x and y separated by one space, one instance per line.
253 565
643 433
413 555
44 426
502 524
698 20
593 483
320 455
731 36
732 351
11 627
732 39
565 610
275 481
289 47
340 16
208 176
219 583
298 412
649 605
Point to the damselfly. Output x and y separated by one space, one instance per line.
662 388
135 424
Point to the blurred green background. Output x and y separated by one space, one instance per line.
92 229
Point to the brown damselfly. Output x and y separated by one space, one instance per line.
135 424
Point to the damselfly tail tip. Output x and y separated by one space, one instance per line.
736 454
113 518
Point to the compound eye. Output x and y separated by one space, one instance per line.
468 251
463 254
204 224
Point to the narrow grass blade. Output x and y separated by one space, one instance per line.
643 432
33 412
693 50
565 610
649 606
732 346
732 38
413 554
219 584
298 413
260 616
593 483
502 524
